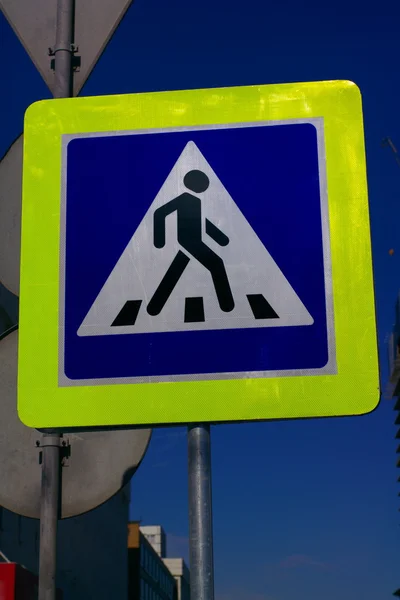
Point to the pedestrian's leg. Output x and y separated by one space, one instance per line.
215 265
221 284
167 284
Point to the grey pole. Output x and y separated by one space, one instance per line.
50 509
63 49
200 513
49 514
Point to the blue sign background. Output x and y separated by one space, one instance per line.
270 172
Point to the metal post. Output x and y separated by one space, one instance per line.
200 513
63 49
50 510
49 515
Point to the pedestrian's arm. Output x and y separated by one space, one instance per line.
159 222
216 234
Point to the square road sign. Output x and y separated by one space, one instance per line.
198 256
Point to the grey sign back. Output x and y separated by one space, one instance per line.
99 465
35 24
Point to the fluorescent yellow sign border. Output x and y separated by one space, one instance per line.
353 390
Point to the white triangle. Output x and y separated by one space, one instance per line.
141 267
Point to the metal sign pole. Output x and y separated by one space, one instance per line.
64 49
200 513
51 455
50 509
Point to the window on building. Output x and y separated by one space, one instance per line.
141 555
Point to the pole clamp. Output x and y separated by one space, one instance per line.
72 49
50 441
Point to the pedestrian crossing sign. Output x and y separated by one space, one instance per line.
192 257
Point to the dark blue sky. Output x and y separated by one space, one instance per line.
302 509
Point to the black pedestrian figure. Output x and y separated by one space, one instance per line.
189 221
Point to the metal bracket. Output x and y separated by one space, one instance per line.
72 48
65 453
64 445
76 60
49 441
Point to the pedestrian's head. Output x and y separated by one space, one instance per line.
196 181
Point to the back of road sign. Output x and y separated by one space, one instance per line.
98 464
198 256
35 25
10 215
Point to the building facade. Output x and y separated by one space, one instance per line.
92 559
179 570
148 577
155 534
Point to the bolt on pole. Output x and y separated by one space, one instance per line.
50 510
200 513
